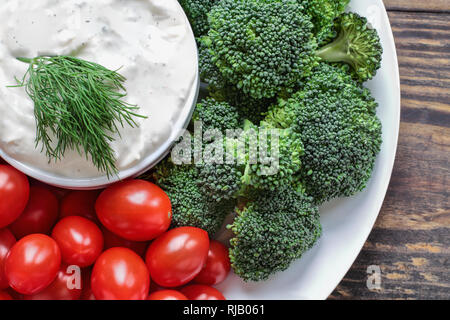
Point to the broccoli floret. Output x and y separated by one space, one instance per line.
218 179
190 206
357 44
273 230
220 182
219 115
267 169
220 89
197 11
262 47
209 72
323 13
204 193
335 117
282 161
248 107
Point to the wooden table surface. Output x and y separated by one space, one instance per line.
410 242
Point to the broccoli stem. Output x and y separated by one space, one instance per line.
357 45
337 51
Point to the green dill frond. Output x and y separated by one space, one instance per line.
78 103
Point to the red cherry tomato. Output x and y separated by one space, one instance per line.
217 265
202 292
14 294
7 240
112 240
39 216
14 194
5 295
135 210
32 263
80 203
58 192
80 240
167 295
120 274
177 256
156 287
66 286
87 293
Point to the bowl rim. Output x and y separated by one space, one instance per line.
145 164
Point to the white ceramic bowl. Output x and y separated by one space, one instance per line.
101 182
346 222
145 164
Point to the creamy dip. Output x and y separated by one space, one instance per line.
150 40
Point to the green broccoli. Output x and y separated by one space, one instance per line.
196 11
220 182
220 89
270 168
218 179
261 47
217 115
323 13
247 50
190 206
282 160
357 45
274 229
261 61
209 72
203 194
248 107
337 123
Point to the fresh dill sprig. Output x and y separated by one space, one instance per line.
80 104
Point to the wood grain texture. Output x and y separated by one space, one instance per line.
411 239
418 5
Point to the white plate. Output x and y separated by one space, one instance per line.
346 222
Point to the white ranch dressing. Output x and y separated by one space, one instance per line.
150 40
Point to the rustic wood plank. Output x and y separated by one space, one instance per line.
418 196
423 47
410 241
418 5
411 236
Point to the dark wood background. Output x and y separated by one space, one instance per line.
411 239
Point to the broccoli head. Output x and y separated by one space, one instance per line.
220 89
218 179
220 182
209 72
274 229
279 163
248 107
190 205
357 45
322 14
219 115
197 13
262 47
335 117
